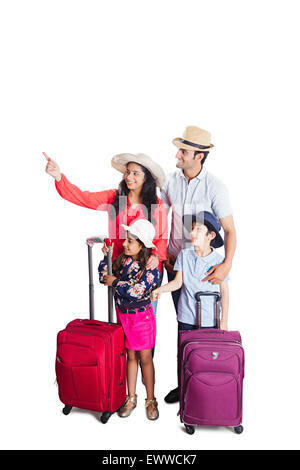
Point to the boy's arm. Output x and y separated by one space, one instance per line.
170 287
225 304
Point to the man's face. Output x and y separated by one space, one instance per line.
186 160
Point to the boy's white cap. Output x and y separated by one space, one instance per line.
143 230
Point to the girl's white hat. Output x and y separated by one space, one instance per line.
143 230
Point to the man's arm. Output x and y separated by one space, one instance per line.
229 239
218 273
225 304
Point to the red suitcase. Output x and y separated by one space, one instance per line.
91 359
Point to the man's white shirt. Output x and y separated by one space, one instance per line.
205 192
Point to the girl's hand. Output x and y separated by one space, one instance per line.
155 294
108 280
223 325
152 262
52 168
105 249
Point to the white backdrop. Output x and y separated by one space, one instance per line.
84 80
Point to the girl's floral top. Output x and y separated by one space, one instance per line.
133 288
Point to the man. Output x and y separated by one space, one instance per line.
192 189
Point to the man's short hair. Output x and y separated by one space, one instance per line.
205 155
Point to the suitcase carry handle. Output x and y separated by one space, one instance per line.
91 323
198 296
122 361
90 243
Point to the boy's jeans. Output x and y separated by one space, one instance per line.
185 326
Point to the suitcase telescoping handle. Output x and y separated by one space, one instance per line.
198 296
90 243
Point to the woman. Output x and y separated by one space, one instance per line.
134 199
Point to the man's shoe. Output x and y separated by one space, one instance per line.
173 396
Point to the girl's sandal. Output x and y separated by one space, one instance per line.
128 406
151 409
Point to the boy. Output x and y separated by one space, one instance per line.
192 265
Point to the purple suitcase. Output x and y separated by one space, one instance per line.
210 374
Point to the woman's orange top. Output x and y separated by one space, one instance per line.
103 200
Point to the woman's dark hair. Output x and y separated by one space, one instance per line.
142 258
148 195
204 158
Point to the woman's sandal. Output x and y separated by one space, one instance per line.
151 409
128 406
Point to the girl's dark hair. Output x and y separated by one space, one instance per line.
142 258
148 195
204 158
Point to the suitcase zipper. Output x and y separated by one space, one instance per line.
198 373
107 355
219 349
184 346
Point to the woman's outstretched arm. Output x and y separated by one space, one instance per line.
100 200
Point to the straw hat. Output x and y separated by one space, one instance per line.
120 161
143 230
195 139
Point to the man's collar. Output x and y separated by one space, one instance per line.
200 176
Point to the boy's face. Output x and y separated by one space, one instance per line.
199 235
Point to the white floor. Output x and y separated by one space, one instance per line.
32 417
84 81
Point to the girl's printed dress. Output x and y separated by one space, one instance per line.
133 291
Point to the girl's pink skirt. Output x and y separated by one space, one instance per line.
139 328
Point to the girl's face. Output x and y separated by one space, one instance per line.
131 246
199 235
134 176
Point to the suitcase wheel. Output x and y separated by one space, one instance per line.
66 410
189 429
105 417
239 429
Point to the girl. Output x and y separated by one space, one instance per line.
133 283
134 199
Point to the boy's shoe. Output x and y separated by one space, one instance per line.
151 409
173 396
128 406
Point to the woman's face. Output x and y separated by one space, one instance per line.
134 176
131 246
